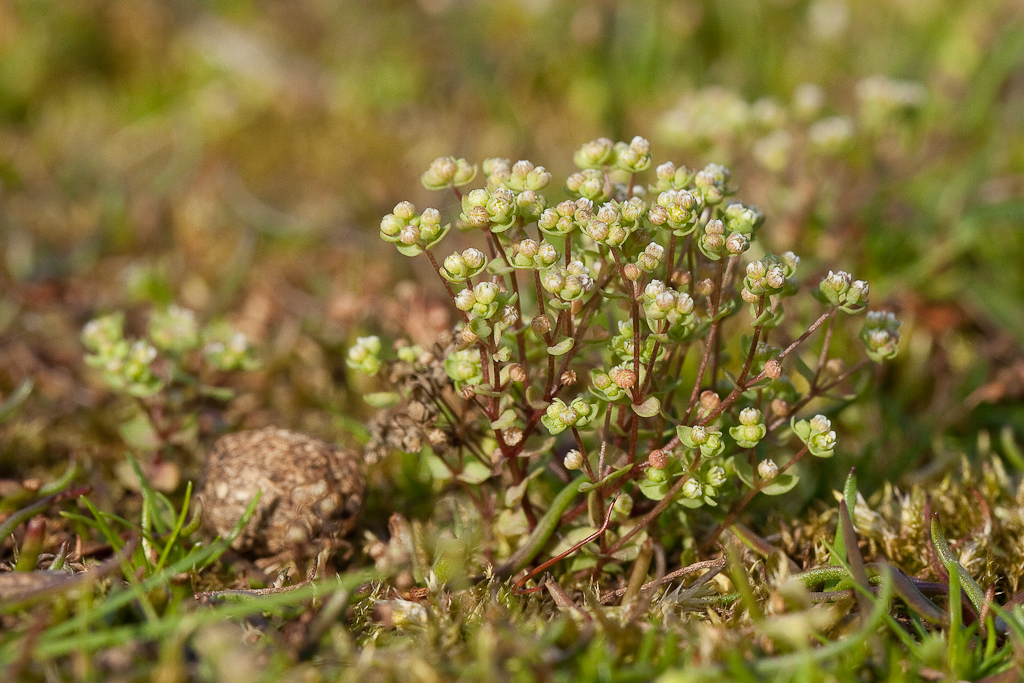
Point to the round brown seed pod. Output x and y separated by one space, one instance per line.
312 491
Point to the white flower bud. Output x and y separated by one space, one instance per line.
767 469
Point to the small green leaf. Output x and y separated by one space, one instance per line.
655 490
139 433
649 408
783 483
505 420
561 348
382 399
409 249
475 472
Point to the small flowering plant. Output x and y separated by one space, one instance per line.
177 366
627 330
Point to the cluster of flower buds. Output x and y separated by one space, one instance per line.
712 183
680 210
768 276
410 232
175 330
448 172
129 366
531 205
228 350
701 490
622 344
614 223
480 302
649 260
663 303
714 244
521 176
566 216
464 368
493 209
881 335
817 433
461 267
568 283
594 154
558 417
532 254
840 289
742 218
613 385
750 430
633 157
671 178
707 438
365 355
589 184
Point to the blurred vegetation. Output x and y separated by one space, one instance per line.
235 157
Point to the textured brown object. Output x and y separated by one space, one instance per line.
312 491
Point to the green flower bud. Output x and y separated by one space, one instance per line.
553 281
680 210
588 183
573 460
656 475
463 368
633 210
391 225
834 287
767 469
881 335
497 172
692 489
716 477
818 435
750 416
650 259
405 211
454 268
634 157
742 218
623 506
486 292
597 230
530 205
736 244
790 261
448 172
594 154
465 300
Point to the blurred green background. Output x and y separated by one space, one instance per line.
236 157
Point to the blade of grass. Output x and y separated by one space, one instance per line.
177 528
